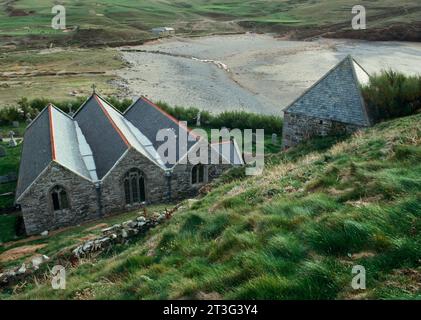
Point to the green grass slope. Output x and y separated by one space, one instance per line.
293 233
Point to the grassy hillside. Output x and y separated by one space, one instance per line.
293 233
110 21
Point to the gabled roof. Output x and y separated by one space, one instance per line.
92 142
50 137
336 96
107 142
36 151
149 118
134 137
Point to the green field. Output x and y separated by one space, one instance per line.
68 71
293 233
110 21
40 74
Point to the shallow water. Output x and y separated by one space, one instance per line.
264 74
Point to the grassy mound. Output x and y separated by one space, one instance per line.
293 233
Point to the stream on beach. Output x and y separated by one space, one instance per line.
251 72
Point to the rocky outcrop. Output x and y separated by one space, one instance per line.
116 234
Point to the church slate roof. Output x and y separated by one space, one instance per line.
92 141
65 142
106 142
149 118
336 96
36 151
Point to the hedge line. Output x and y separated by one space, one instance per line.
392 94
228 119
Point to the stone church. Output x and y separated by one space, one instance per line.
333 105
101 161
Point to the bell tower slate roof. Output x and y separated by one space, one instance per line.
336 96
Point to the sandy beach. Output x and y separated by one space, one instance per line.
251 72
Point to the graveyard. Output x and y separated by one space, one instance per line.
9 165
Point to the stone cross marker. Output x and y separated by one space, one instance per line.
71 113
12 141
274 138
2 152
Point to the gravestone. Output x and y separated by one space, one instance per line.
28 118
12 141
15 124
2 152
253 138
198 122
274 138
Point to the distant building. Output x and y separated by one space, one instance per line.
101 161
333 105
163 32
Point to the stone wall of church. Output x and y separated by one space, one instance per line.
37 204
113 197
298 128
181 186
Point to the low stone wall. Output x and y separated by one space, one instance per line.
117 234
298 128
19 273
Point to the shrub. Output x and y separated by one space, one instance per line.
392 94
229 119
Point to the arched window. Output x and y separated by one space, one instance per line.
134 186
198 174
59 198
